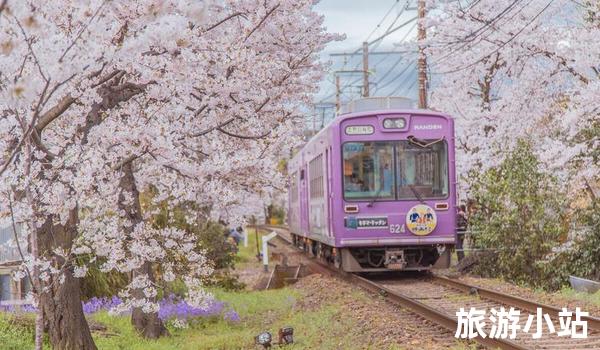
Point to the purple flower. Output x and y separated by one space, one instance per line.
17 308
173 307
232 316
97 304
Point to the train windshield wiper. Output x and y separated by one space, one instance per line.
374 198
423 143
417 194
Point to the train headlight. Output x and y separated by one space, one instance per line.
394 123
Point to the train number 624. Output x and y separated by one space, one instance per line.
397 228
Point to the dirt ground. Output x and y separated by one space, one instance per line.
381 324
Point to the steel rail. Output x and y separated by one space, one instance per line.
438 317
502 298
446 321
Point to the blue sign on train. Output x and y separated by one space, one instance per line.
366 222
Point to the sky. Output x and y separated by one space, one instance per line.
392 72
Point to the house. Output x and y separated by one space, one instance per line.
10 260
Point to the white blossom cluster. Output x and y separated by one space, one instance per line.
510 70
201 98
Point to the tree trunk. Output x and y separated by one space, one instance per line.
61 301
147 324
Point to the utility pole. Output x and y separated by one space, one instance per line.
365 52
422 61
337 94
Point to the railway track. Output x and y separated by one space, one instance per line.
437 299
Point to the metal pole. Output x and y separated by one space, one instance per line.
422 62
265 253
337 94
366 69
256 236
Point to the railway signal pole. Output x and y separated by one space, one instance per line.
422 61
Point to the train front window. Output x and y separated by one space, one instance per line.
422 171
369 170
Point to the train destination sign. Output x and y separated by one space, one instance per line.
367 222
359 130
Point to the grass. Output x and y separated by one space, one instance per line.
247 255
15 334
258 311
570 293
322 328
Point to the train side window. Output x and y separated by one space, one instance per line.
294 187
315 175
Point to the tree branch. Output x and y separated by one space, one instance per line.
244 136
224 20
170 167
562 61
3 5
81 31
54 113
128 160
225 123
261 21
27 132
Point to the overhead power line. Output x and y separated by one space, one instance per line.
382 20
502 45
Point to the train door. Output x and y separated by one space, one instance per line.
304 221
328 197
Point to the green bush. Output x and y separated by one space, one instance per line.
211 240
581 256
518 221
275 212
102 284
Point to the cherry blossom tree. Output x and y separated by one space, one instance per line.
510 70
102 100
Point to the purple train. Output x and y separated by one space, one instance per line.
376 190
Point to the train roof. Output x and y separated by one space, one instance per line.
342 117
